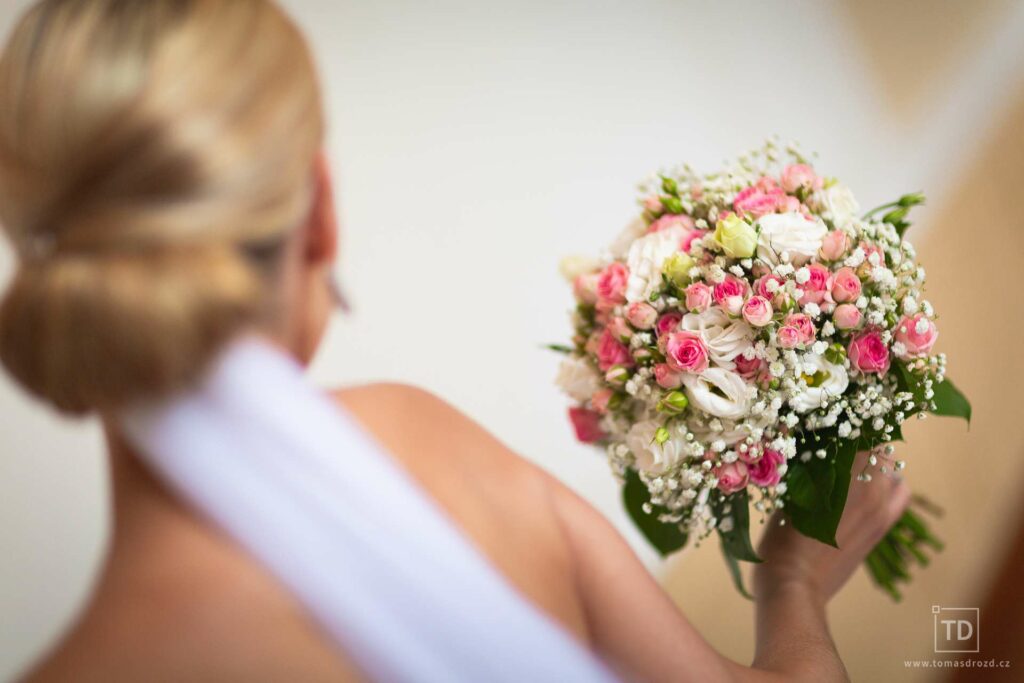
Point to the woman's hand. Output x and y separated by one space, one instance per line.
872 507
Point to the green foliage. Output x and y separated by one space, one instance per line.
816 489
950 402
666 538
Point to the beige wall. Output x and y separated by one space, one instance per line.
478 142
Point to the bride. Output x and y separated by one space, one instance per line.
162 181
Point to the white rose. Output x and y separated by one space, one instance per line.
833 384
838 204
578 379
652 457
790 232
646 257
626 238
719 392
725 337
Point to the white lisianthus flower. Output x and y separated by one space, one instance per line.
625 239
653 457
719 392
837 204
792 233
578 378
645 259
831 380
725 337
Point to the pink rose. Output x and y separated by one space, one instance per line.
845 285
868 353
846 317
611 285
789 337
587 424
666 377
757 311
610 351
776 294
869 249
686 352
803 325
641 315
599 401
788 204
732 477
729 294
817 286
669 220
918 334
765 471
748 369
758 199
619 329
797 176
689 238
584 287
698 297
669 322
834 245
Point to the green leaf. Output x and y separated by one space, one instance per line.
559 348
736 541
666 538
949 401
831 477
734 570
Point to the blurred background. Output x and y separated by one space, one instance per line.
476 143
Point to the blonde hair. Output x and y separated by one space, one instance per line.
154 156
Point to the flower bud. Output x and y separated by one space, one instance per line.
674 402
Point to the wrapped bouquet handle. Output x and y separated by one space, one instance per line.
741 341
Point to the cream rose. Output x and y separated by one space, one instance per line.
793 233
724 337
578 378
651 456
830 381
719 392
838 204
625 239
646 257
736 236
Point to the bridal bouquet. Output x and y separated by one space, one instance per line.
741 341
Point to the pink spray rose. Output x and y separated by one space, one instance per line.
846 317
619 329
760 198
796 176
599 401
774 293
686 352
653 203
757 311
917 333
868 353
817 286
845 285
803 324
587 424
732 477
789 337
729 294
641 315
748 369
765 471
611 285
610 351
689 238
669 220
668 322
666 377
865 268
698 297
834 245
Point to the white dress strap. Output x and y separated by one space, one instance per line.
295 481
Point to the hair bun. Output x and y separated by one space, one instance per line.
93 332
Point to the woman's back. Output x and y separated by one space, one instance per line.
177 600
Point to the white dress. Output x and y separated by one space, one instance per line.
279 467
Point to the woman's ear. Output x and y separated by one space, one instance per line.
321 243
